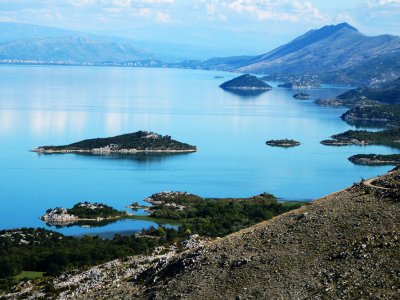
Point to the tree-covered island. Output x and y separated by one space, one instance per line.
246 82
389 137
376 159
131 143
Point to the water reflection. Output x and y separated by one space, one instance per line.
140 158
246 94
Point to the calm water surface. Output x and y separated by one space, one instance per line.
59 105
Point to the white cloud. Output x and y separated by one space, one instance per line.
383 3
163 17
278 10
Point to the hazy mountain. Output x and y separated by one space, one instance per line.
25 42
10 31
328 50
74 49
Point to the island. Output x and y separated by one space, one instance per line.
375 159
302 96
285 143
141 141
246 82
388 137
386 115
82 212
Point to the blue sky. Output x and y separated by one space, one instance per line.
228 26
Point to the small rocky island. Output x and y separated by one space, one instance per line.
285 143
246 82
376 159
81 212
141 141
302 96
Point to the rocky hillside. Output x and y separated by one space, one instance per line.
345 245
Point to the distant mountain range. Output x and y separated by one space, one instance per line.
337 53
334 53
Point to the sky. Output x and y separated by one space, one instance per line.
227 27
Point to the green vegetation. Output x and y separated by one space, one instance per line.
385 114
86 210
371 137
46 251
217 217
285 143
246 82
52 253
137 141
388 137
28 275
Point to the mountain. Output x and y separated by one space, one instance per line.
331 50
11 31
71 49
32 43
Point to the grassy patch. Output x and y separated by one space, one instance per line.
29 275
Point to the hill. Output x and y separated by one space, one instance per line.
345 245
245 82
338 53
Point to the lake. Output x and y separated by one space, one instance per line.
53 105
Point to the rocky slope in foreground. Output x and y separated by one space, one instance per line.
345 245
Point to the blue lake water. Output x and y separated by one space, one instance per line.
44 105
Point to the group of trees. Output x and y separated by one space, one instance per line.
219 217
54 253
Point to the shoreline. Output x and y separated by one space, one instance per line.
101 151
